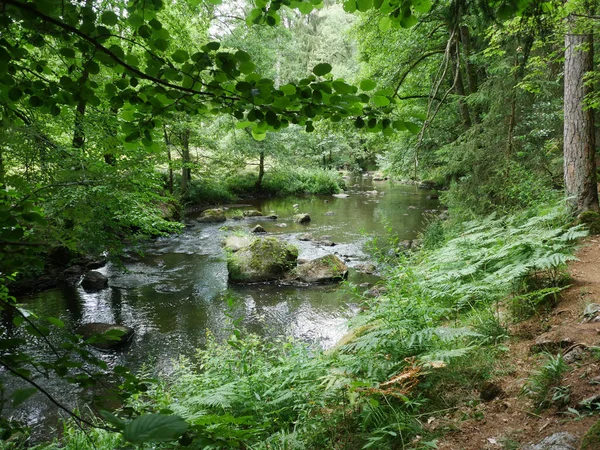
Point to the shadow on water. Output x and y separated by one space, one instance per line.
178 289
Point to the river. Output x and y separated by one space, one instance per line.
177 290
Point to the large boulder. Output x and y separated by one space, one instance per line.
323 269
234 242
302 218
264 259
105 336
94 281
212 216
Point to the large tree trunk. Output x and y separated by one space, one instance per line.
579 155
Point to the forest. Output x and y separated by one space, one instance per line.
126 125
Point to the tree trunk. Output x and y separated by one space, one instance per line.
459 87
186 171
168 144
261 171
579 154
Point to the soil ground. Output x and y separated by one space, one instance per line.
510 421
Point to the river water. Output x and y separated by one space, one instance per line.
178 289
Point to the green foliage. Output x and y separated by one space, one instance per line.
494 256
543 386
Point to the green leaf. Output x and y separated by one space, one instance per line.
322 69
364 5
154 23
412 127
161 44
288 89
109 18
242 56
305 7
368 85
180 56
244 124
258 135
14 94
213 46
399 125
67 52
154 428
409 22
342 87
350 6
385 23
381 101
247 67
56 322
20 395
421 6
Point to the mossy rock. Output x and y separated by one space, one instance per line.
591 440
212 216
264 259
591 220
252 213
324 269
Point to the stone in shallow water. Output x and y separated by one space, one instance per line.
94 281
326 268
302 218
212 216
252 213
258 229
105 336
264 259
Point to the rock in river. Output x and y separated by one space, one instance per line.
252 213
258 229
264 259
212 216
323 269
94 281
302 218
105 336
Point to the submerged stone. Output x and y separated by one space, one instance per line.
105 336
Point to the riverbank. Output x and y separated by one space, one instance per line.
569 330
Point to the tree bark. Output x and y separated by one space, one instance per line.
186 172
261 171
579 152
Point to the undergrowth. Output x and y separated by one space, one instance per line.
418 349
276 182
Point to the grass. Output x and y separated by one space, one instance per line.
276 182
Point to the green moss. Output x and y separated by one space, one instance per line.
591 219
263 260
591 440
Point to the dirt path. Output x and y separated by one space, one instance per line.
508 422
